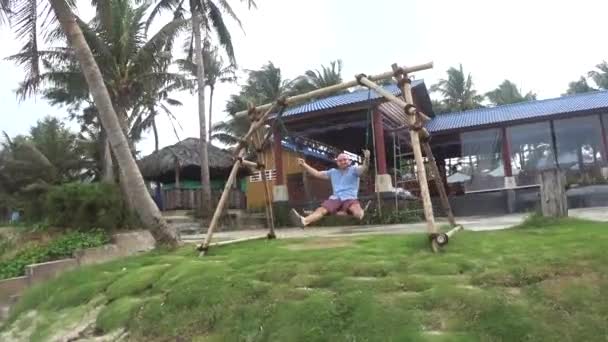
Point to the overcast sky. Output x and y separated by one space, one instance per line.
540 45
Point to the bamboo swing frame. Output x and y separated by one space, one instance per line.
419 138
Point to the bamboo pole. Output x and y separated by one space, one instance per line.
445 203
221 203
240 152
230 242
249 163
342 86
258 142
399 102
454 230
406 90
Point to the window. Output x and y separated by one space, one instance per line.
480 166
531 151
579 148
257 176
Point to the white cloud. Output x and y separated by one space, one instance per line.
540 45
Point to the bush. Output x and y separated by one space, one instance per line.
59 248
86 206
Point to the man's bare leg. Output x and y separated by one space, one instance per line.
312 218
356 210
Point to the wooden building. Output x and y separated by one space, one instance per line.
490 158
303 191
173 173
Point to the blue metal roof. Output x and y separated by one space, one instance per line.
357 96
520 111
306 151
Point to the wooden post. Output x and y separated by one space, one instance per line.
438 180
406 90
221 204
506 153
239 153
277 149
178 187
258 140
604 149
553 199
380 151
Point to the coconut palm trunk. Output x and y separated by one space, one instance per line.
210 128
107 172
144 205
206 204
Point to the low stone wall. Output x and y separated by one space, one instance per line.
125 244
37 273
12 287
97 255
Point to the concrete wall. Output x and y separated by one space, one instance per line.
37 273
97 255
12 287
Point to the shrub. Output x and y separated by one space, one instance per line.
61 247
537 220
86 206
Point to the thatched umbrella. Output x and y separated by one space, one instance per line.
183 156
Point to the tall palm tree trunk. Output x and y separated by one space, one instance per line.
107 166
211 90
159 193
146 209
206 204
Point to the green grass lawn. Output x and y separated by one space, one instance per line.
524 284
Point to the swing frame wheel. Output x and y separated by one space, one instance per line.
442 239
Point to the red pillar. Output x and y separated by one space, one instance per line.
379 139
506 153
278 156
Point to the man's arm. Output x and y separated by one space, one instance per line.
312 171
362 169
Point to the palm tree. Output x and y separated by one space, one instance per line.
4 10
317 79
51 154
507 93
457 91
578 87
262 86
215 71
600 76
207 15
132 67
26 15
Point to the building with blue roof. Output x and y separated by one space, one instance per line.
491 156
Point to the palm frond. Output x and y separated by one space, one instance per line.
156 42
5 11
216 21
228 10
225 138
25 16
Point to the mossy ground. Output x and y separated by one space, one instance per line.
544 281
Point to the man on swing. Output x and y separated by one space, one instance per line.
345 186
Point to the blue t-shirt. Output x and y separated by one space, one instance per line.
345 183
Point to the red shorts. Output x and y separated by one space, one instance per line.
334 205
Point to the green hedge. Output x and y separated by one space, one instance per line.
62 247
87 206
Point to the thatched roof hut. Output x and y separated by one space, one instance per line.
184 156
